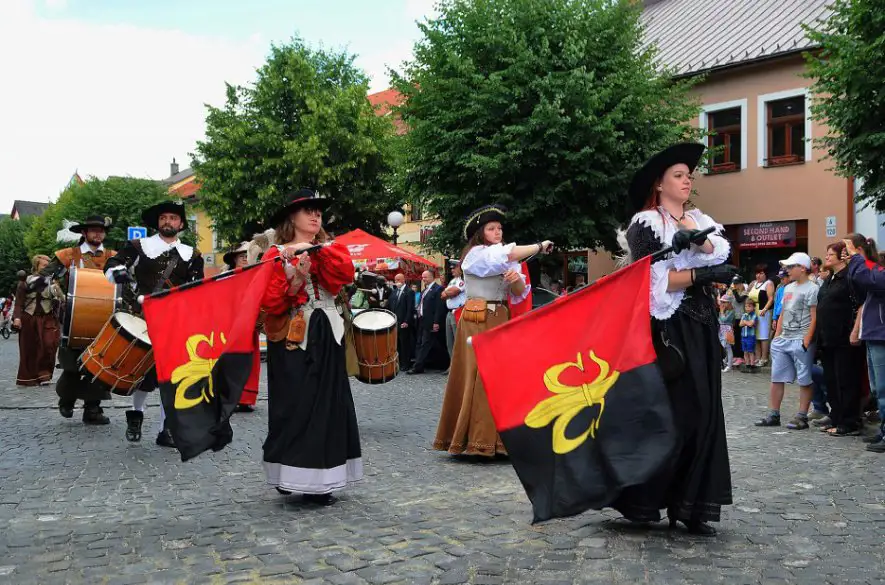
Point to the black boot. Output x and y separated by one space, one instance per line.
320 499
134 418
164 438
65 409
94 415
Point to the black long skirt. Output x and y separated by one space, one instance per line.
313 442
696 482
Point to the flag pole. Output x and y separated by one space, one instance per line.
660 254
225 274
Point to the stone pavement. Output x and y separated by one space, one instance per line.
81 505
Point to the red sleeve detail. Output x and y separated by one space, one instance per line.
521 308
277 299
333 267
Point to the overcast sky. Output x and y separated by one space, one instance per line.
117 87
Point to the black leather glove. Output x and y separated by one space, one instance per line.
122 276
684 238
710 274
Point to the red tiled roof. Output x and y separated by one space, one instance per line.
187 190
382 101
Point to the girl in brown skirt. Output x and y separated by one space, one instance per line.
493 276
39 333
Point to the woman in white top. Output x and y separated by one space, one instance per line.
762 291
492 275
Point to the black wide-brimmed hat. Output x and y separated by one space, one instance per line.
295 201
151 215
483 215
687 153
93 221
228 258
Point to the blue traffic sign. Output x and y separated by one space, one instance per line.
136 233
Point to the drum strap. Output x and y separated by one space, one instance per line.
173 262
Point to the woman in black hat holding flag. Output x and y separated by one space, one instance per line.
696 481
313 442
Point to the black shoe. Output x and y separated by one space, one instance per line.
134 418
164 439
244 408
66 410
320 499
873 439
414 371
284 492
769 421
94 415
876 447
700 529
695 527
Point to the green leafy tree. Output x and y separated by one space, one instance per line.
305 122
547 106
848 73
13 254
121 199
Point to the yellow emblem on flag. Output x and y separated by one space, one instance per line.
198 368
569 401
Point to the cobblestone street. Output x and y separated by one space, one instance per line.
81 505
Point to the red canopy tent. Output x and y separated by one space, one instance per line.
376 255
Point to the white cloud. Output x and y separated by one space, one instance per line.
118 99
107 100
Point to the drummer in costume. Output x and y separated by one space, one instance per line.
151 265
696 482
73 384
493 276
313 443
239 258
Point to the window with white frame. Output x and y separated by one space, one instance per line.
784 128
727 124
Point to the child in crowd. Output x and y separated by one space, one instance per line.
748 333
726 331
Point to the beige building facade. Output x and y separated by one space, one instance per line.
768 186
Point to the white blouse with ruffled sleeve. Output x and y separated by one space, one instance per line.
486 261
663 302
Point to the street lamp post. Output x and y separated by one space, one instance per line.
394 220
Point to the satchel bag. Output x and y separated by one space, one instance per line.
475 310
671 359
729 337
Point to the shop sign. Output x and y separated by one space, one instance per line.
775 234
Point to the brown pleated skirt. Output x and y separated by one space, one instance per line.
37 345
466 426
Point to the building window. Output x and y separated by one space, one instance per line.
726 124
416 212
727 140
786 131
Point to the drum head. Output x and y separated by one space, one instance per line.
135 326
374 320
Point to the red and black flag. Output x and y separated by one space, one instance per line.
577 397
204 347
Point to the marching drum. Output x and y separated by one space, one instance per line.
121 355
91 300
374 336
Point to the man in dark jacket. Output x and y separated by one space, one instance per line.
402 303
431 320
